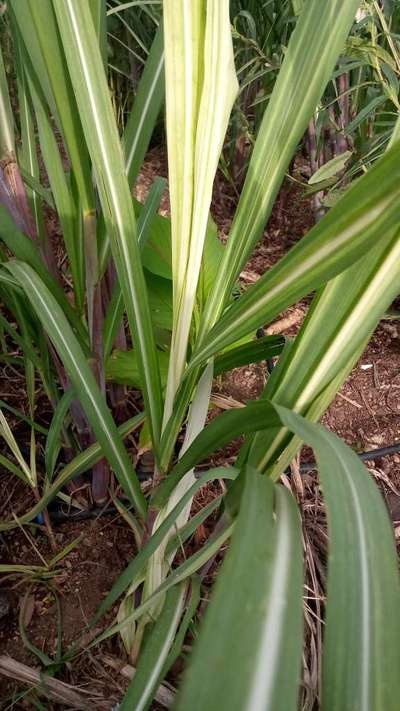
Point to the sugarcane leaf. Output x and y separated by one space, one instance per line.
352 226
201 86
82 462
258 601
27 153
116 308
251 352
24 249
144 684
146 108
53 440
331 168
364 113
156 255
338 325
95 109
363 582
7 138
138 563
121 367
183 572
82 378
314 46
64 198
38 29
254 416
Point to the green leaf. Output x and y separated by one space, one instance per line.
252 352
313 49
53 440
116 308
121 367
27 153
335 332
221 430
192 604
65 200
7 138
331 168
136 566
96 113
38 29
364 113
82 378
144 684
81 463
24 249
146 108
363 596
252 632
353 225
183 572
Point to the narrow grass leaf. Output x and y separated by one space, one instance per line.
314 46
363 582
95 110
152 660
82 378
257 600
201 86
352 226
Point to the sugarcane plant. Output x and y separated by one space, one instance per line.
173 283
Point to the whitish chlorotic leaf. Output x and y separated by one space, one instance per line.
201 86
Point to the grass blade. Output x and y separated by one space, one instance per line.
95 109
146 108
201 86
363 581
257 600
314 46
366 211
151 662
60 332
81 463
53 440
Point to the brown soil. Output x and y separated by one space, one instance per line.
365 414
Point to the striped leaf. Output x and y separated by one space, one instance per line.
82 378
363 595
38 31
340 322
252 631
7 139
337 328
147 677
95 110
146 108
201 86
368 210
314 46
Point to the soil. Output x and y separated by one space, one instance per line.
365 414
